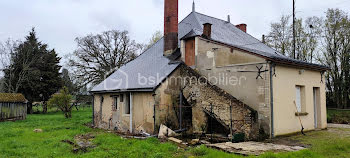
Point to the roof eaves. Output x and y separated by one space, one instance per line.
190 34
150 89
301 64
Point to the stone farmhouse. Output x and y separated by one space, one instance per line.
207 75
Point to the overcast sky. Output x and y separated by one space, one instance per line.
59 22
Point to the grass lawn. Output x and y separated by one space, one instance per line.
19 140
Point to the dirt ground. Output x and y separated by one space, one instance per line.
312 140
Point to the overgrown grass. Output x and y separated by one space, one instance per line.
19 140
338 116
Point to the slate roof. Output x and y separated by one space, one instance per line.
12 98
227 33
152 63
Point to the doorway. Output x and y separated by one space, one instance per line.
190 52
317 107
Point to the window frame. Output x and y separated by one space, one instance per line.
115 103
121 98
127 104
301 105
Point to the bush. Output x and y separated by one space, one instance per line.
62 101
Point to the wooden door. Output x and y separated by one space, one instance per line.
190 52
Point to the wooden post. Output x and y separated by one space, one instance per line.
231 121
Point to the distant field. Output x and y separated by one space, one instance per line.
19 140
338 116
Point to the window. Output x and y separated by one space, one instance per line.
127 104
300 98
121 98
115 106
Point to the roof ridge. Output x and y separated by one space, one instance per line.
150 46
211 16
198 22
240 30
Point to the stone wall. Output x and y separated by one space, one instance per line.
221 64
204 96
107 116
166 98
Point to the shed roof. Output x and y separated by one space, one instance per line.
12 98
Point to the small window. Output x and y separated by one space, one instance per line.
300 98
121 98
127 105
115 106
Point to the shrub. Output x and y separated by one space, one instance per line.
62 100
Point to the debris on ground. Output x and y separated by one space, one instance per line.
145 134
194 142
164 132
204 142
127 135
37 130
134 137
178 141
68 141
82 142
253 148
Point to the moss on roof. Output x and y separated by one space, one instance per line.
12 97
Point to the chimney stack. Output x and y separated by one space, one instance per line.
228 19
242 27
170 26
207 30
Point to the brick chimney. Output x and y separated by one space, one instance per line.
242 27
207 30
170 26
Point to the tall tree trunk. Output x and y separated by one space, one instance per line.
45 107
30 108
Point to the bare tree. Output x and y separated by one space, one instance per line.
155 38
98 55
6 49
307 37
279 36
336 55
313 31
14 82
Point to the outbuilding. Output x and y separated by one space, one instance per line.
13 106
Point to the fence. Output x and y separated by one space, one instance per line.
16 111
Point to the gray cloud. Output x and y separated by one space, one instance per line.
59 22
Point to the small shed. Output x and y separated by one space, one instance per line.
13 106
